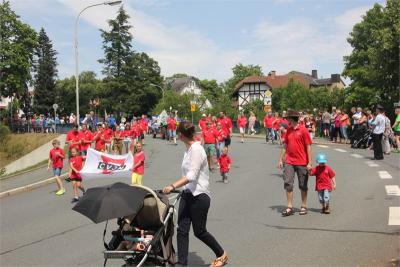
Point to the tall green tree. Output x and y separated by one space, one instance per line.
241 71
373 65
116 45
45 74
17 43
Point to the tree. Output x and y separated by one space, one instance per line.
374 62
17 43
241 71
116 45
45 74
90 88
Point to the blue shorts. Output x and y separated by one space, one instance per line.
324 196
171 133
57 171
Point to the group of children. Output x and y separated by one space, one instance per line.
76 163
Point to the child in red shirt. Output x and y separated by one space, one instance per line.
224 162
76 165
325 182
138 164
57 156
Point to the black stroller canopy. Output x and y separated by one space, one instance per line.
111 201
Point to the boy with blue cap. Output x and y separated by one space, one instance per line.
325 182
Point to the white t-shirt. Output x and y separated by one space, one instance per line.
379 124
195 169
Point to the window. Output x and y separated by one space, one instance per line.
254 96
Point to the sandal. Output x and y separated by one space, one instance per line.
220 261
287 212
303 211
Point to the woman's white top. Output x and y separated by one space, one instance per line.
195 169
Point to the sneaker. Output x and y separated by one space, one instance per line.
60 192
67 179
75 199
327 210
225 181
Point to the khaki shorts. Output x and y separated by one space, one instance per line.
288 177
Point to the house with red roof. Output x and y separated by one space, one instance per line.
261 87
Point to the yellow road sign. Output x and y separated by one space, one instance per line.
192 107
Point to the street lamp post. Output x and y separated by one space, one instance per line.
110 3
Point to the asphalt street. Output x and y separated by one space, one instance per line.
40 229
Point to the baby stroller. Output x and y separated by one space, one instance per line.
362 139
145 238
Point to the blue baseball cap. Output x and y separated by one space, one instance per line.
321 158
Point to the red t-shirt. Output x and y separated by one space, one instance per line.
242 121
344 120
136 158
221 135
100 144
77 162
127 133
57 160
108 134
337 121
86 136
202 124
144 124
74 136
268 121
226 124
276 123
323 175
171 124
297 140
209 136
224 161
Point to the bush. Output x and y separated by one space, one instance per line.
4 134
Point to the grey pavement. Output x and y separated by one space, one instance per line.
40 229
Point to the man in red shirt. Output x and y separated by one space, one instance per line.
241 123
87 139
203 122
171 126
57 156
297 152
268 125
276 125
227 126
210 138
74 138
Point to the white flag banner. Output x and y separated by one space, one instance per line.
102 165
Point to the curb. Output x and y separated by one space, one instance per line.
11 175
29 187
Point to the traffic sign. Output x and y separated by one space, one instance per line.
55 106
192 107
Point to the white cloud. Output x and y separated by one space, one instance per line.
175 47
304 44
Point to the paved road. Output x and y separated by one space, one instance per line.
40 229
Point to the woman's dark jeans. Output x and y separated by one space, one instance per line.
194 210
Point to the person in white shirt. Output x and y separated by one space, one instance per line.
378 126
195 200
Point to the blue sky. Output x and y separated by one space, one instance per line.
207 38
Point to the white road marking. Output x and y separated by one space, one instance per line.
394 216
324 146
385 175
357 156
340 150
371 164
392 190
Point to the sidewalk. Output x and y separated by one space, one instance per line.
27 178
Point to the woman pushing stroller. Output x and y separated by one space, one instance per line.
195 200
